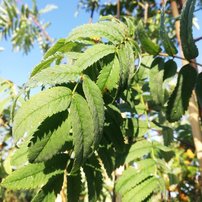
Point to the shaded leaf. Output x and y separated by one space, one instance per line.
167 43
189 47
55 133
49 192
83 130
35 175
96 106
38 108
179 100
109 76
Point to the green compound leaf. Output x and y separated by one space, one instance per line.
142 191
189 47
60 46
147 44
111 31
35 175
127 61
45 63
55 133
109 75
92 55
83 130
132 176
167 43
55 75
139 149
38 108
156 75
96 106
49 192
179 100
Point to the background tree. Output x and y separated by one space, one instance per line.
112 98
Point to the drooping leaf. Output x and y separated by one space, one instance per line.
109 76
74 185
45 63
34 176
156 81
38 108
167 43
49 192
147 44
83 130
179 100
50 138
55 75
96 106
170 69
198 88
106 29
92 55
126 60
142 191
139 149
189 47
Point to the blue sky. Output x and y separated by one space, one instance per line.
16 67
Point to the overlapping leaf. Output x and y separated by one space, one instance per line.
83 130
156 77
35 175
50 191
109 76
92 55
167 43
55 75
109 30
126 60
179 100
147 44
189 47
96 106
38 108
55 133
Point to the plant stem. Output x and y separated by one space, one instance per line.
118 9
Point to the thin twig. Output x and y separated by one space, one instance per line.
181 58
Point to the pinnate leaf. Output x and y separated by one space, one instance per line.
55 75
92 55
34 176
109 75
38 108
96 106
83 130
